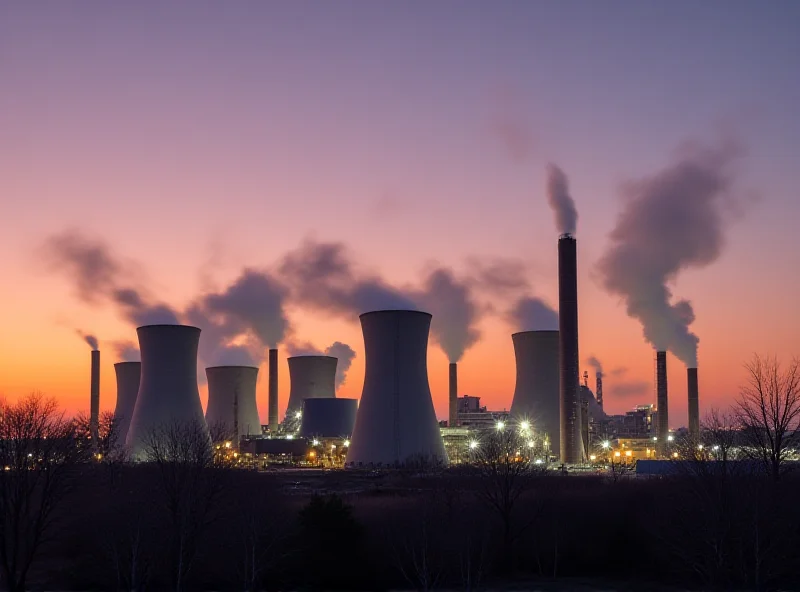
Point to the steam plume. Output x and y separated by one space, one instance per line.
90 339
533 314
126 351
560 200
345 354
672 220
595 363
302 349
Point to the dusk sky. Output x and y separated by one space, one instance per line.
198 138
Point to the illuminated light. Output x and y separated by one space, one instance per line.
30 455
525 426
655 438
628 453
235 455
346 443
473 445
699 446
290 437
716 447
538 461
227 444
617 454
670 438
315 442
312 454
530 444
500 425
333 446
674 455
606 444
298 415
593 457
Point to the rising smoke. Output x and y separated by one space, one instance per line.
90 339
533 314
127 351
672 220
344 354
560 200
595 363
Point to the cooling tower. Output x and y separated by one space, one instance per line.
168 393
310 377
128 374
396 422
94 398
536 394
232 400
328 418
694 403
662 427
272 400
452 400
571 440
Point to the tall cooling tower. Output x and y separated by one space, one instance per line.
168 394
662 427
232 400
310 377
536 394
94 398
694 403
128 374
571 440
396 422
328 418
272 395
452 399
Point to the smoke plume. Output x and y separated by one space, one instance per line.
126 351
454 312
560 201
344 354
90 339
595 363
302 349
533 314
672 220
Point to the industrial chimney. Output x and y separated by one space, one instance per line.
310 377
328 418
94 399
598 389
571 441
128 374
536 394
662 427
168 394
452 399
272 396
396 422
694 403
232 400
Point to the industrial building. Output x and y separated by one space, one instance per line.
396 422
328 418
168 394
232 405
127 374
472 415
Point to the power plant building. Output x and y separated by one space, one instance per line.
127 374
536 394
310 377
396 422
168 394
232 400
328 418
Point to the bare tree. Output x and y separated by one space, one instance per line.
191 484
38 457
109 451
261 532
768 412
506 472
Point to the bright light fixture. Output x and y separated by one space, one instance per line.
315 442
473 445
670 438
606 444
530 443
298 415
500 425
346 443
525 426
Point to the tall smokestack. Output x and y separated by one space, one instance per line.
571 441
662 427
94 398
598 389
272 401
694 403
452 419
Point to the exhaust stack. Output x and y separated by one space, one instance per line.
598 389
571 440
662 427
94 399
452 419
272 397
694 403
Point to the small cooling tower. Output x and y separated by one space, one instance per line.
396 422
232 401
310 377
168 394
536 394
128 374
328 418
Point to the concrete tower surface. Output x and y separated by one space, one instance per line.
310 377
452 400
662 426
272 395
232 400
396 422
168 394
571 440
536 394
328 418
128 374
694 403
94 398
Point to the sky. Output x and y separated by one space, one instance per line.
198 138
